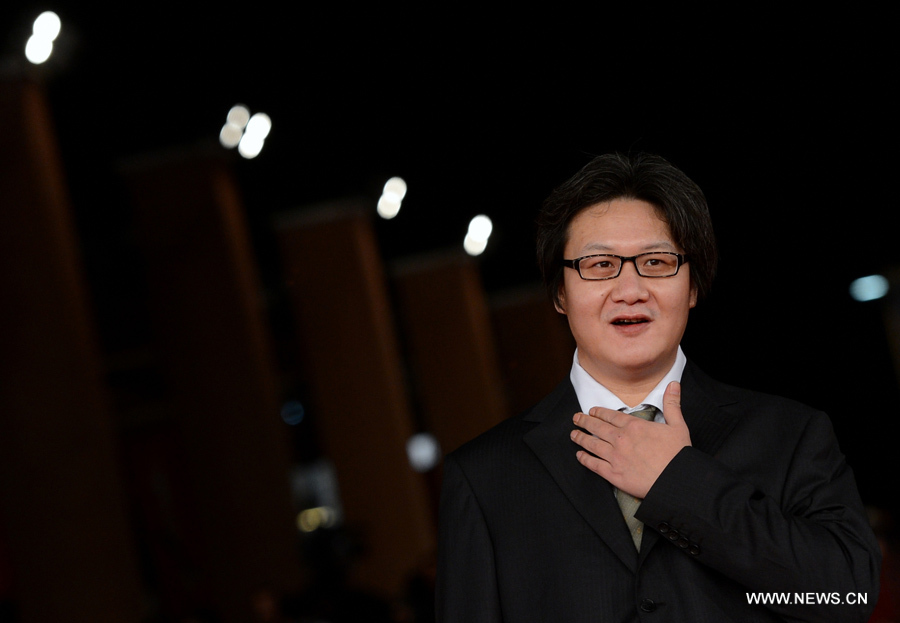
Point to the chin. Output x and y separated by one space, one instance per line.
637 369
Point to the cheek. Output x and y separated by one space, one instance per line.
585 304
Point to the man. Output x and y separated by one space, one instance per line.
714 504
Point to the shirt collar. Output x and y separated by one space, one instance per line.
591 393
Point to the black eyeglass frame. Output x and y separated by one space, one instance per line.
576 264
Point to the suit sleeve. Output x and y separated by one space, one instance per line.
807 536
466 577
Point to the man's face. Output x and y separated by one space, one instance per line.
627 329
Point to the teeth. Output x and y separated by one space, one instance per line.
628 321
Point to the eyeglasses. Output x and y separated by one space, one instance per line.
598 267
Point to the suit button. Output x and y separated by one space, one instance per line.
683 543
694 549
663 527
647 605
673 535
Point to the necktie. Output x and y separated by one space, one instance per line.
628 503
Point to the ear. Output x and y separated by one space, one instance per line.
560 305
693 299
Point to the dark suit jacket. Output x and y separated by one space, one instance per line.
763 501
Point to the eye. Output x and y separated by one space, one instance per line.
597 261
658 264
658 259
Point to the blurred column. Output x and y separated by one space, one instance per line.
534 344
61 497
208 315
360 402
450 341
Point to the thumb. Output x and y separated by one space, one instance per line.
672 404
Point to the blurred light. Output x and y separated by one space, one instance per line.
473 246
395 186
38 50
238 116
246 133
250 146
312 519
423 452
480 228
235 122
292 412
47 26
230 136
259 125
45 30
388 206
869 288
391 198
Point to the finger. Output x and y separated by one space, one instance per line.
593 463
595 425
672 404
616 418
591 443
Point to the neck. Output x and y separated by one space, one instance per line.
631 394
632 386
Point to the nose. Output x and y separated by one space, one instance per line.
629 287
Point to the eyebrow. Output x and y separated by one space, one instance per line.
655 246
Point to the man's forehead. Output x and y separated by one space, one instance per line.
602 207
656 245
588 227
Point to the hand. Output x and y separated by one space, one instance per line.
630 452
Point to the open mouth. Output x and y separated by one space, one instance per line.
629 321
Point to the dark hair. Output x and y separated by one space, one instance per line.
645 177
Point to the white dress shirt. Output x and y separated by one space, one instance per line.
591 393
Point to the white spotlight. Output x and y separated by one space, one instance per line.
395 186
388 206
47 26
423 452
391 198
259 125
230 136
473 246
45 30
869 288
246 133
480 228
38 50
250 145
238 116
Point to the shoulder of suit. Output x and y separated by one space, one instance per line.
747 402
507 435
503 435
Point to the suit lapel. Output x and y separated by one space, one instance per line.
702 402
591 495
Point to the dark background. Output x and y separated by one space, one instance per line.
786 120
